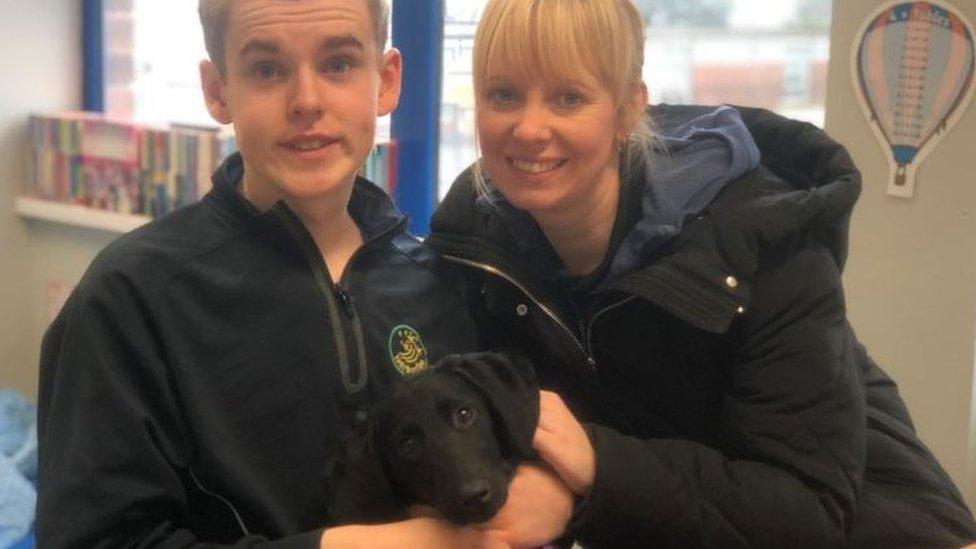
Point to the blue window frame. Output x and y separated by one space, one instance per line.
418 28
93 52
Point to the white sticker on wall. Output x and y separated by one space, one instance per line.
913 66
56 294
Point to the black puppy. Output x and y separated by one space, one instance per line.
449 438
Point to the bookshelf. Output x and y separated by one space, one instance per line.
77 216
93 171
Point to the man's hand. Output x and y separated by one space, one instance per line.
562 442
409 534
538 508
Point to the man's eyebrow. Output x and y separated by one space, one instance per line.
262 46
339 42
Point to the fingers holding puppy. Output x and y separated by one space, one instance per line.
537 511
415 532
561 441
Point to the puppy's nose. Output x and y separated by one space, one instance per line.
475 494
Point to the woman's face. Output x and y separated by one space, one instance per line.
548 146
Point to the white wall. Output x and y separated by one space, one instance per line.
911 278
57 254
41 64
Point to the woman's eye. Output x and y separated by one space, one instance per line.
464 416
570 99
501 96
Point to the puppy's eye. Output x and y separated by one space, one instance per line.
464 416
409 448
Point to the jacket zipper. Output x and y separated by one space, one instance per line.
336 297
589 326
491 269
349 306
222 499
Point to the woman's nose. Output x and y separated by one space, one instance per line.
306 100
533 123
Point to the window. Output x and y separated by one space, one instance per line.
746 52
153 50
749 52
457 142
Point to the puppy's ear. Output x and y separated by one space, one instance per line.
509 386
357 487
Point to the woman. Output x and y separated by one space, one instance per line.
683 298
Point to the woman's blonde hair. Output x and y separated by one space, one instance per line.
554 39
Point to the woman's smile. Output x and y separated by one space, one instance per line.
536 167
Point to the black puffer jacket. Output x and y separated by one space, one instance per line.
730 402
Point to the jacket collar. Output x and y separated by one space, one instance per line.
369 206
806 182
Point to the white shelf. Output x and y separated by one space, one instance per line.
79 216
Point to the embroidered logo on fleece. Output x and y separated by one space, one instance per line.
407 350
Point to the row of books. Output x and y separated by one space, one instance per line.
94 161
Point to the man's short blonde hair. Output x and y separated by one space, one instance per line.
214 15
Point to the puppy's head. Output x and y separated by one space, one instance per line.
451 437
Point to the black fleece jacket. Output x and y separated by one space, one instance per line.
728 400
207 367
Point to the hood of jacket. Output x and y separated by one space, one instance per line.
715 228
699 152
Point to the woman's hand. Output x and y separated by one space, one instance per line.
537 510
562 442
415 532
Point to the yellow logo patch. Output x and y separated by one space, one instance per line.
407 350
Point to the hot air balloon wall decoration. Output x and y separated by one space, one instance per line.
913 65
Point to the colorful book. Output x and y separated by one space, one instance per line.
99 162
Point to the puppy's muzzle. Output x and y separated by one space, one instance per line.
475 495
476 501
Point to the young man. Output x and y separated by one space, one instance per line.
209 365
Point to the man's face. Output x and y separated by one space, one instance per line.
304 84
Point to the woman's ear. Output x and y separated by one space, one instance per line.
213 85
633 110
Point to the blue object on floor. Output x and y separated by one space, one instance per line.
18 469
26 543
18 432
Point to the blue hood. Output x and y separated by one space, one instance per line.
701 150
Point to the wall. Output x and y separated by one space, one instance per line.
59 255
911 278
42 68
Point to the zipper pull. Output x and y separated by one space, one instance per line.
346 300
